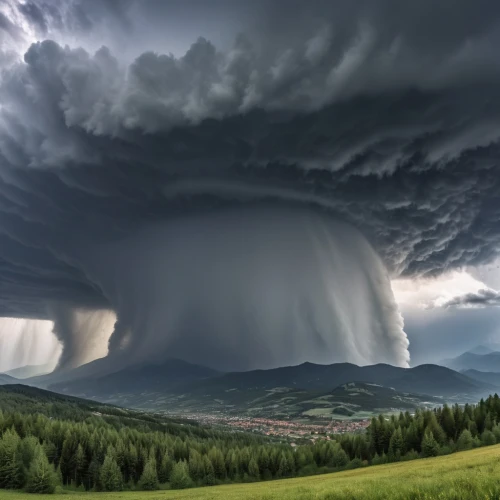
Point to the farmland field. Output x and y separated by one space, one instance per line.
467 475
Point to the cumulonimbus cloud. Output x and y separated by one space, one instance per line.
344 110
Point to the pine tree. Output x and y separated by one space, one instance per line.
434 427
217 459
244 459
179 478
165 468
253 469
430 447
67 462
11 465
374 431
232 464
42 477
488 422
93 475
465 441
142 456
50 450
110 477
385 435
149 478
284 467
448 422
411 438
132 463
27 450
396 443
209 477
121 457
196 467
80 465
339 457
275 457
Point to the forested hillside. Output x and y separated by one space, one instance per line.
106 451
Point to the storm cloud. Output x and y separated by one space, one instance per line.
381 117
482 298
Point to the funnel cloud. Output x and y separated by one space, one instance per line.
83 334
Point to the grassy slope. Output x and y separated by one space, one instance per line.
468 475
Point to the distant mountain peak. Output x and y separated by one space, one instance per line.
28 371
481 349
488 362
7 379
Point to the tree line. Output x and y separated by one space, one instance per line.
111 453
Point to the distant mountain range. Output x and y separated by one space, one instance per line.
29 371
135 379
424 379
491 378
482 364
176 375
472 360
7 379
481 349
303 390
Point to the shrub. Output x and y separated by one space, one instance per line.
488 438
411 455
355 463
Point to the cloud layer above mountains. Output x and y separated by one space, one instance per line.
382 115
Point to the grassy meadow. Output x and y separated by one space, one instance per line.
468 475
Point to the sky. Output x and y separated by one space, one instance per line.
329 169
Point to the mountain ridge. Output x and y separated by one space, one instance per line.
469 360
7 379
29 371
492 378
177 376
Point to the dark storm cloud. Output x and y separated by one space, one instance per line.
386 115
35 15
7 27
482 298
50 17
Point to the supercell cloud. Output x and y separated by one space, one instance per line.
239 191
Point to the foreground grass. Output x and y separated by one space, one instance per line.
468 475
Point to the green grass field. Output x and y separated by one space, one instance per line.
468 475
